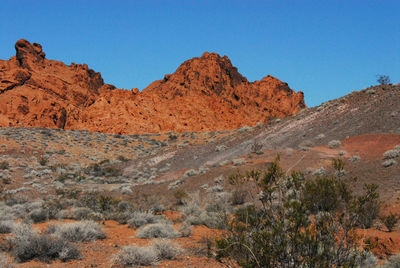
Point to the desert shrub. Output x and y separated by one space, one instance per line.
6 226
382 79
125 206
166 249
53 207
389 163
366 259
28 244
390 154
219 180
81 213
291 228
217 205
4 165
238 197
365 208
95 216
320 171
122 158
338 164
99 203
172 137
146 256
190 208
107 203
103 169
215 189
120 217
355 158
392 262
5 262
157 230
10 213
63 177
390 221
142 218
136 256
256 148
39 215
157 208
185 229
94 170
334 144
111 171
77 231
43 160
324 194
216 220
180 196
215 217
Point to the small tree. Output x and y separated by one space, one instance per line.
298 223
383 79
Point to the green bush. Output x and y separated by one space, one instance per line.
238 197
365 208
4 165
180 196
43 160
390 221
122 158
382 79
100 203
39 215
104 168
298 223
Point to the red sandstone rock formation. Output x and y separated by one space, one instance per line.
204 94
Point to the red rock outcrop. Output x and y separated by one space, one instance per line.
205 93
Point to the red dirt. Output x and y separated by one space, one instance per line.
370 146
205 93
384 243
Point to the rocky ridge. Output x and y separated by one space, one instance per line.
206 93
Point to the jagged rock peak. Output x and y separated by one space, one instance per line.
210 73
28 53
205 93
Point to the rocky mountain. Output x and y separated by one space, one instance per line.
206 93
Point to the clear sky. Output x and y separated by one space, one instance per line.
326 48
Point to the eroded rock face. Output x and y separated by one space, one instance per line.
205 93
29 54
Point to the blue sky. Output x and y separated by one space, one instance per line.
326 48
